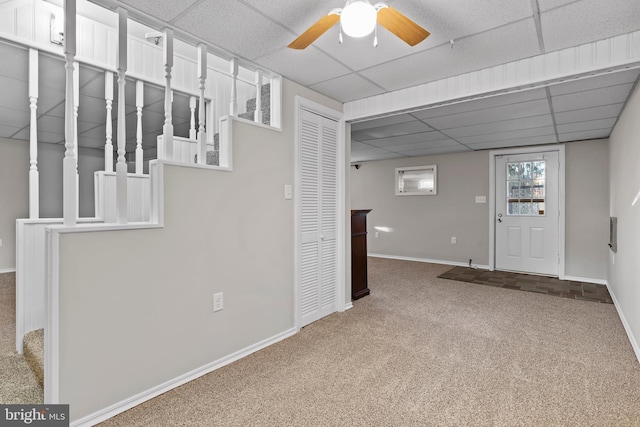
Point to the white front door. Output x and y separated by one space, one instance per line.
527 213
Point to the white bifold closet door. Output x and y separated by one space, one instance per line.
318 273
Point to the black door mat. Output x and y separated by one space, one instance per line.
530 283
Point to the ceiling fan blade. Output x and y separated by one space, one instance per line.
403 27
315 31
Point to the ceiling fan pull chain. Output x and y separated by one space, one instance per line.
340 35
375 36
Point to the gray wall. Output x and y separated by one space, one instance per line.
624 266
138 303
14 196
422 226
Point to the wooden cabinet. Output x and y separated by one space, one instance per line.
359 278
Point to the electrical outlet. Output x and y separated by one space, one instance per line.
288 192
218 302
377 234
454 240
0 242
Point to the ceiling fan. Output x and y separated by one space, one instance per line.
358 18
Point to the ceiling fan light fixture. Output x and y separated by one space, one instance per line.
358 18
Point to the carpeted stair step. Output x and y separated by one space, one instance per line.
34 353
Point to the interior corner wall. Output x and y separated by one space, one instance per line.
422 226
138 303
14 196
624 187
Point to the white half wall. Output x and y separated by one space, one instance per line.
624 185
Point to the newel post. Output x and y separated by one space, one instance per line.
34 188
121 165
69 163
202 76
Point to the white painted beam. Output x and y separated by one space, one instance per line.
600 57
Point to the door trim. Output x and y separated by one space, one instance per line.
561 199
311 106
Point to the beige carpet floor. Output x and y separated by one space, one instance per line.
423 351
17 382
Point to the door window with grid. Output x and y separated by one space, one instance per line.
526 188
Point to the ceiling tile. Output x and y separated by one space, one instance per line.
589 83
165 11
454 19
249 41
438 150
427 145
588 125
383 121
507 136
520 142
592 98
387 131
406 139
585 21
516 40
51 137
480 104
348 88
15 61
373 154
307 67
514 111
355 146
592 113
15 93
589 134
502 126
8 131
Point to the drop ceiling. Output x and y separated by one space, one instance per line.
484 34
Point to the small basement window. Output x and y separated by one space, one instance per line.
416 181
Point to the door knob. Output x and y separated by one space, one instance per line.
322 237
499 219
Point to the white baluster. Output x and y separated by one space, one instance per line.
257 115
34 189
202 77
121 164
167 128
69 164
108 96
211 124
233 70
192 124
139 105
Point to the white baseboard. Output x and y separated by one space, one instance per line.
348 305
627 328
586 280
123 405
432 261
7 270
